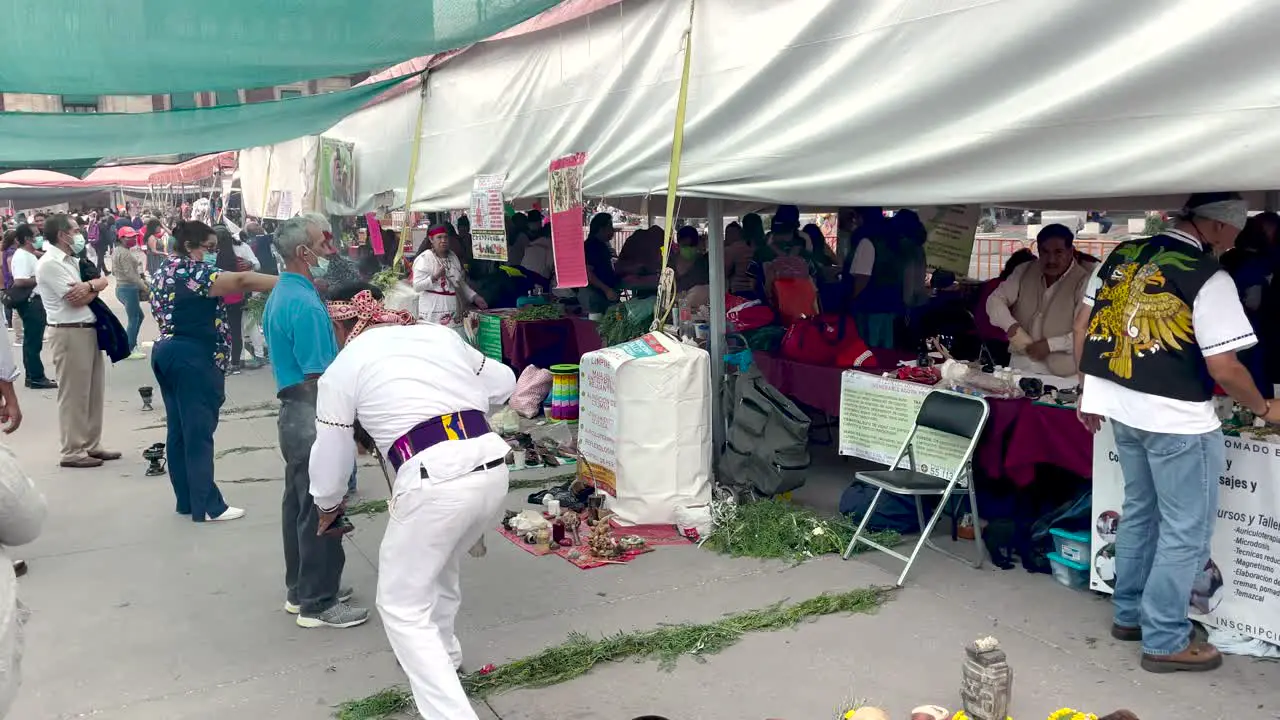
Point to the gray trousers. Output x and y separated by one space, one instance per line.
312 564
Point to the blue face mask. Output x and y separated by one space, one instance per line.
321 268
77 244
38 243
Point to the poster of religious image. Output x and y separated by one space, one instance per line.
565 183
337 177
488 219
1238 589
952 229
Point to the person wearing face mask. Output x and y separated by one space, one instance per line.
438 279
1160 324
77 359
189 360
24 296
300 334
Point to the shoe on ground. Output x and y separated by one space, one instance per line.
1123 633
45 384
231 513
1198 657
105 455
84 462
344 595
341 615
135 355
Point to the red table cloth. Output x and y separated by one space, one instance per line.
544 343
1019 435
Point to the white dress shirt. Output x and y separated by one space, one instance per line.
391 379
56 273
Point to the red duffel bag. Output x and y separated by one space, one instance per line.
842 333
807 341
745 315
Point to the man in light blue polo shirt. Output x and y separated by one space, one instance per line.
300 335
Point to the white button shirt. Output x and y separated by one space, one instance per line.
393 378
56 272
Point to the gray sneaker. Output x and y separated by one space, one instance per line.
341 615
294 608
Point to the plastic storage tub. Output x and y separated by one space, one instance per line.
1069 572
1073 546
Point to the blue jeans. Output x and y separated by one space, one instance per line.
128 296
1162 543
193 391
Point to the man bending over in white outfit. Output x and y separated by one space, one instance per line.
420 392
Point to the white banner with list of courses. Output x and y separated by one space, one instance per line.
1239 589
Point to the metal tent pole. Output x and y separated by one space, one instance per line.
716 343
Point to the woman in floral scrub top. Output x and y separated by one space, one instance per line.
190 358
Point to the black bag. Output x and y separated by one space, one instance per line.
15 296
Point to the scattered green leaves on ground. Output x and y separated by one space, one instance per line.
579 653
377 706
367 507
773 528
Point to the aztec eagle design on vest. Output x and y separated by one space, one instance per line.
1134 314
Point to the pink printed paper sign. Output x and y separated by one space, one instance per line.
566 220
375 233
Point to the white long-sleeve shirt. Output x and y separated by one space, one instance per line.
391 379
1000 310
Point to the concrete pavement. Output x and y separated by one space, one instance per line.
139 614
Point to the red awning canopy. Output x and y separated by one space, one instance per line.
195 169
41 179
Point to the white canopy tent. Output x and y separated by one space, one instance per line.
826 103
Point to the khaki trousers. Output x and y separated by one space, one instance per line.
80 369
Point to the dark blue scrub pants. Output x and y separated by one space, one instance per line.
192 387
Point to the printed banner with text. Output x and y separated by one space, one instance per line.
876 416
951 232
1239 587
488 223
566 220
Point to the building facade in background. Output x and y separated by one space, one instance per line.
22 102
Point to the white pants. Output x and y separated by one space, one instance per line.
419 578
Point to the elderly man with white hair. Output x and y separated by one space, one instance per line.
1159 325
303 345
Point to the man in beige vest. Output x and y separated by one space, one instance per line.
1036 305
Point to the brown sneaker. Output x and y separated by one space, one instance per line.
1124 633
1198 657
84 462
105 454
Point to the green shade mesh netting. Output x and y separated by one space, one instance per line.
145 47
26 137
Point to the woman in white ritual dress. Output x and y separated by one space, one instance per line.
438 279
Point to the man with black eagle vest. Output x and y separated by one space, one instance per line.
1159 325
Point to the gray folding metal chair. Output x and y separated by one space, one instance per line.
948 412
